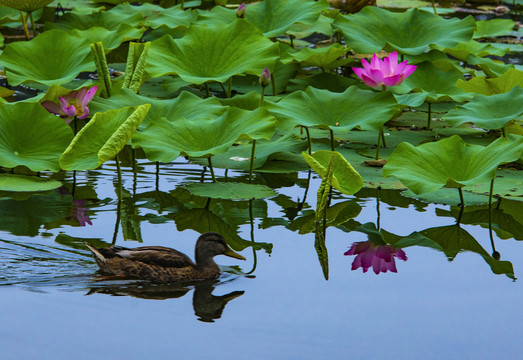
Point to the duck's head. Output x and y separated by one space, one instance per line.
211 244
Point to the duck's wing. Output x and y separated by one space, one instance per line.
156 255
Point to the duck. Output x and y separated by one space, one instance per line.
162 264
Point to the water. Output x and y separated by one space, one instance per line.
55 304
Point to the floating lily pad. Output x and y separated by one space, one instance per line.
344 178
374 29
450 163
233 191
32 137
340 112
13 182
25 5
102 138
164 140
489 112
213 52
492 86
30 60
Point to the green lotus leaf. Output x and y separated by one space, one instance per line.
499 85
102 138
322 26
411 32
344 178
163 140
493 27
340 112
106 19
13 182
25 5
324 80
233 191
489 112
186 105
32 137
450 163
434 84
326 58
490 67
213 52
464 49
275 17
156 16
110 39
30 60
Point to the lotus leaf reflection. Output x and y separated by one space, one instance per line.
381 258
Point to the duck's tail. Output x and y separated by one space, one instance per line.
100 259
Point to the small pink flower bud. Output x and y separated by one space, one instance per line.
240 12
265 77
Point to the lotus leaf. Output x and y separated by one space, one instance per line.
450 163
110 39
411 32
213 52
13 182
156 16
233 191
490 67
489 112
340 112
434 84
32 137
499 85
25 5
164 140
102 138
71 56
464 49
493 27
105 19
322 26
344 177
326 58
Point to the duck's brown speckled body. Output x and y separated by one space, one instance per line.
162 264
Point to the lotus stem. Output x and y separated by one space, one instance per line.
378 146
75 124
23 19
255 257
223 89
212 169
429 115
434 7
292 40
229 87
490 216
262 95
33 25
332 139
251 168
117 224
207 91
504 131
182 5
378 215
157 180
273 80
119 172
382 131
462 204
309 142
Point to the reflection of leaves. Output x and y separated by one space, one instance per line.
337 214
391 197
502 223
321 250
452 240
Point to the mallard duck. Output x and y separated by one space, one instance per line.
163 264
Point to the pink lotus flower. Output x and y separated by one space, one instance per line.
386 72
240 12
381 258
72 104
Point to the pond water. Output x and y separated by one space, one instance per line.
55 305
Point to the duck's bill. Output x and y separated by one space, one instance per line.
233 254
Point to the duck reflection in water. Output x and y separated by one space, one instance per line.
380 257
207 307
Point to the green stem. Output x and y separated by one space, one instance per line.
504 131
75 124
183 4
262 96
117 224
212 169
429 115
308 139
273 81
378 146
33 25
292 40
23 19
229 87
207 91
434 7
157 178
119 171
462 205
255 257
251 168
223 89
382 131
332 139
378 216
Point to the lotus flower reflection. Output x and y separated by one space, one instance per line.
386 72
381 258
72 104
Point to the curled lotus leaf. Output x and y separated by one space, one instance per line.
491 86
213 52
25 5
450 162
374 29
